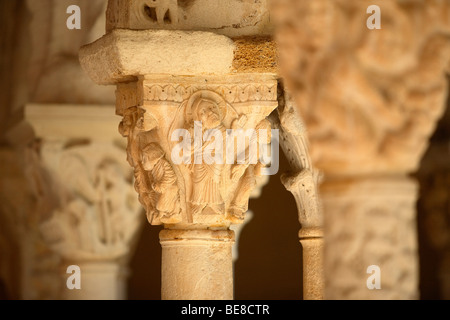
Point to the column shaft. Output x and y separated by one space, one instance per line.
311 240
197 264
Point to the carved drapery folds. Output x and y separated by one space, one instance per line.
179 142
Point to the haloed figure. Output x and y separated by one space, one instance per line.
206 177
163 182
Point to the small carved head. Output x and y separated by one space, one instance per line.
124 126
208 107
133 118
207 112
151 155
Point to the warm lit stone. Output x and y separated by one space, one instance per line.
96 218
231 18
370 100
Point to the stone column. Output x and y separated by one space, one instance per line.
97 218
197 264
302 181
199 202
370 100
177 92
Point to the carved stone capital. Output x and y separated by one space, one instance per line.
97 216
201 71
181 176
369 98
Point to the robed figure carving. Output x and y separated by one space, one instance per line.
206 111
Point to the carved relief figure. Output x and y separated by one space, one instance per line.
130 127
208 111
98 214
163 184
247 174
115 202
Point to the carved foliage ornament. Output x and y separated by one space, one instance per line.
231 93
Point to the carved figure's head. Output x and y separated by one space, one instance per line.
125 126
207 112
208 107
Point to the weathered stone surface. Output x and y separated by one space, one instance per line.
303 181
370 100
231 18
54 72
371 94
370 222
166 104
96 218
124 55
197 264
255 54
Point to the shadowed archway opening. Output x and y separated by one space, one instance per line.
269 266
433 214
